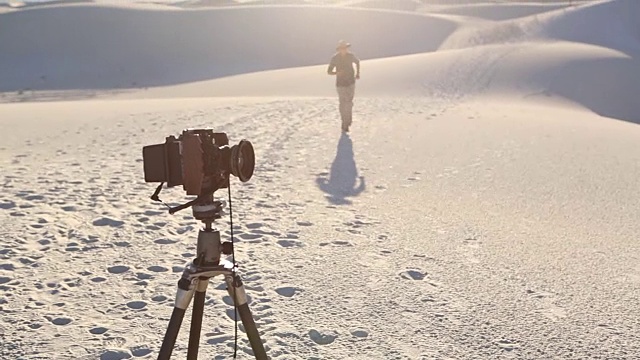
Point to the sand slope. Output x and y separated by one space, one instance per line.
125 48
560 53
538 58
122 47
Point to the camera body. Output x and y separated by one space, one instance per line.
199 159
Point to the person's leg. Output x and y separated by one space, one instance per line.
343 97
350 93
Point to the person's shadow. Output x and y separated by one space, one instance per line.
343 180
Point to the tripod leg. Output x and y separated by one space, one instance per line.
183 298
196 319
239 296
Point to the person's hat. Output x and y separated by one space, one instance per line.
342 44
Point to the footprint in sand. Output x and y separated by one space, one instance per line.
413 274
98 330
7 267
5 205
157 268
165 241
360 333
136 305
35 325
381 188
143 276
143 219
428 299
289 243
159 298
105 221
538 294
269 233
34 198
472 242
72 247
507 344
337 243
220 339
254 225
232 314
115 355
288 291
184 229
548 308
323 337
471 246
360 222
251 238
140 351
61 321
118 269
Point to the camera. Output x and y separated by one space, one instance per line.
200 160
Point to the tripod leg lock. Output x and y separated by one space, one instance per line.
235 287
186 287
183 298
184 284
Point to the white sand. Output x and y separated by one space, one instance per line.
485 204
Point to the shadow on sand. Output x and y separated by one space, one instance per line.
343 180
608 87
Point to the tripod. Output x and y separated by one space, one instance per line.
195 278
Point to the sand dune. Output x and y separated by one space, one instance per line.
484 204
498 11
401 5
123 47
561 53
540 57
572 24
142 48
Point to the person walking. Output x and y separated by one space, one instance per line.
341 65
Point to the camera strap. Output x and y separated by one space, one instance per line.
156 197
156 194
175 209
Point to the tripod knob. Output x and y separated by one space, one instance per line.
227 248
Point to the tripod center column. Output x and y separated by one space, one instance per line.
209 247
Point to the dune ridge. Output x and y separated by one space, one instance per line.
560 53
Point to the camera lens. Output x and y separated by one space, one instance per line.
242 160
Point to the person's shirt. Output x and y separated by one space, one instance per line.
344 67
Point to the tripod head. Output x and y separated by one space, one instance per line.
207 210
